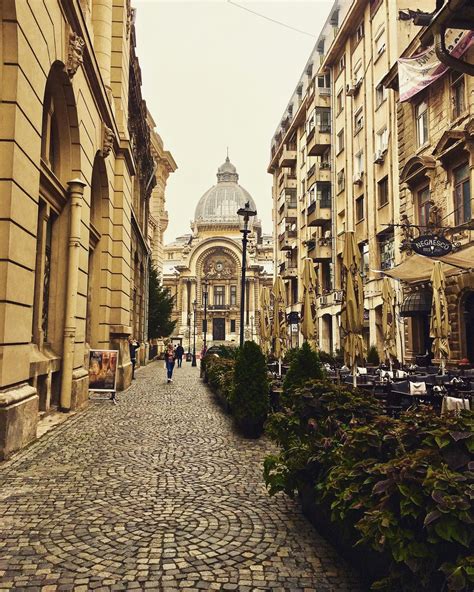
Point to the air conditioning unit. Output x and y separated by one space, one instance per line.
353 89
379 157
337 296
357 179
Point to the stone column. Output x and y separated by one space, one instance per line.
102 24
76 190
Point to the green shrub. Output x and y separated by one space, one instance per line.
219 375
305 365
373 357
326 358
250 401
402 486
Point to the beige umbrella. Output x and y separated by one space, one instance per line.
439 325
352 314
388 321
265 329
308 311
279 332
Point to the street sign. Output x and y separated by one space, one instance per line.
431 245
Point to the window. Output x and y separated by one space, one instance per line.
380 95
323 194
340 141
382 140
342 63
170 255
364 261
358 73
310 123
387 251
303 188
421 119
339 102
379 43
219 295
312 194
359 163
341 183
462 194
359 32
324 81
383 192
325 162
232 325
458 94
423 206
360 208
233 295
323 119
358 120
303 155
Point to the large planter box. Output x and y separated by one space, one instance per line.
370 565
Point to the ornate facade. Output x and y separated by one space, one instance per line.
203 269
77 172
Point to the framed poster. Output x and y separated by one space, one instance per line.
103 365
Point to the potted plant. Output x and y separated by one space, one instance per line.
250 396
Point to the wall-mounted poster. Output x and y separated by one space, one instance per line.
103 370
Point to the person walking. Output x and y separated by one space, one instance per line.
133 346
179 355
169 361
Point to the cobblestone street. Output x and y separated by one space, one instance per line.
155 493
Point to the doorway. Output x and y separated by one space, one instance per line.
218 329
469 326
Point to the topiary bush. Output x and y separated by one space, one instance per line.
305 365
219 374
373 357
250 398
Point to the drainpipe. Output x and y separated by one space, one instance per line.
445 57
76 191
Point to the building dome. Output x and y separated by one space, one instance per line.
220 203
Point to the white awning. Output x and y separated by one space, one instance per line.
418 268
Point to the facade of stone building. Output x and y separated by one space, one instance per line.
76 174
334 163
158 216
202 269
435 129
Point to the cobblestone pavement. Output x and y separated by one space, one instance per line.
156 493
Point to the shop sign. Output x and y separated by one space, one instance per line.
431 245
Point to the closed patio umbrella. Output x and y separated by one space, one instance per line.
352 314
308 312
388 321
439 324
279 331
265 329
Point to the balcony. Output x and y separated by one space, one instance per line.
318 140
320 249
310 175
289 209
288 157
318 213
286 240
218 307
289 272
287 181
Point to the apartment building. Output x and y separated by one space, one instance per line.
337 146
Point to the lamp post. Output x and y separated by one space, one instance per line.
205 285
189 337
246 214
193 363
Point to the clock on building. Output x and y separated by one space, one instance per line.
219 266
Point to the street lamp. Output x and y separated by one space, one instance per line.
205 286
246 214
194 335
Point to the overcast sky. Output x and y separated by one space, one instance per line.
215 75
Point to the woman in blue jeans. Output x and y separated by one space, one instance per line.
169 361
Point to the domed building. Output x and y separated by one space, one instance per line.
203 269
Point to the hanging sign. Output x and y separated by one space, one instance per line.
419 71
103 365
431 245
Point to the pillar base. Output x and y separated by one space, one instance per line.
80 388
119 335
18 418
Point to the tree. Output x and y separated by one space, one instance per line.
305 365
160 305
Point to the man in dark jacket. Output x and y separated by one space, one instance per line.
179 352
134 346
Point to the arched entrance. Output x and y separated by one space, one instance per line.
468 314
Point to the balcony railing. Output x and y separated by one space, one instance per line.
218 307
318 213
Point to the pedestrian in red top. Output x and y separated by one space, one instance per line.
169 361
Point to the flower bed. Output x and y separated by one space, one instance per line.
399 487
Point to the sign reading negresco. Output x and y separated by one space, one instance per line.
431 245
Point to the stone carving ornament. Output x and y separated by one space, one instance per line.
218 268
108 138
75 54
